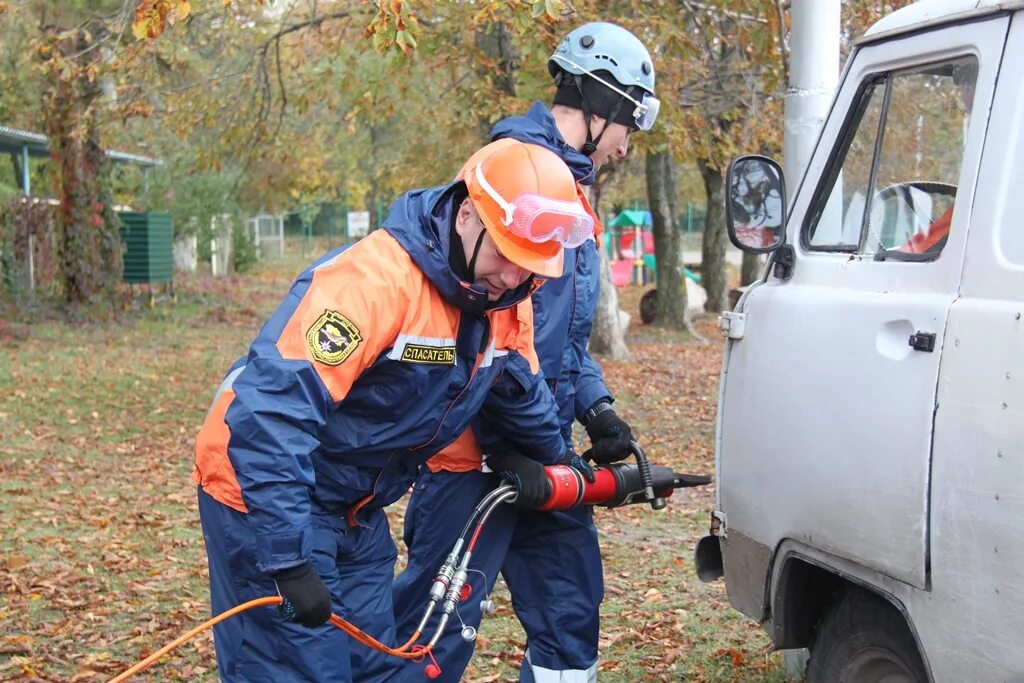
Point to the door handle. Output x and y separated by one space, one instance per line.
923 341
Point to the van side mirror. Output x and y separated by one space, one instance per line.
755 208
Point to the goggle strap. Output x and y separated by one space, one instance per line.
509 209
600 80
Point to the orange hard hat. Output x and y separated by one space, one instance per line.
527 200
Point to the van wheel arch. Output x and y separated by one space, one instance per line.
802 595
806 597
863 638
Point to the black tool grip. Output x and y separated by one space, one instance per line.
646 480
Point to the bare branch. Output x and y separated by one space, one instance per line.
280 85
712 9
312 21
275 41
204 82
783 45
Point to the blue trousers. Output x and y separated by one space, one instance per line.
259 646
550 560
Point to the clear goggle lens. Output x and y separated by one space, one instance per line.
540 219
646 111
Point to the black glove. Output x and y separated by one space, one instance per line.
306 599
528 476
609 435
580 464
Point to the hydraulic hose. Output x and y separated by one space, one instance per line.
416 653
408 650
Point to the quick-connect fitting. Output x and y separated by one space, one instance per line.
442 581
454 595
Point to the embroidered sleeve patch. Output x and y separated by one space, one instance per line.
332 338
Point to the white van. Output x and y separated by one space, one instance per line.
870 445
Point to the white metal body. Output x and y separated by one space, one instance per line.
900 470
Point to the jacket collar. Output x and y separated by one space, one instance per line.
538 127
421 222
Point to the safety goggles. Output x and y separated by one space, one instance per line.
540 219
645 110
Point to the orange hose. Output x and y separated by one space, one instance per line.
416 653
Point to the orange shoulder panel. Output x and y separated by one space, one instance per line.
213 470
513 331
524 335
352 311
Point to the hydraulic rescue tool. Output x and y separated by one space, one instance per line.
614 486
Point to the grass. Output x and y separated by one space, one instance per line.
102 561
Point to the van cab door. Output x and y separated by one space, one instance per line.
827 405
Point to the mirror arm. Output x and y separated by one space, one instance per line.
785 259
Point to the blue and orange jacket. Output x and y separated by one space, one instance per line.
563 308
379 356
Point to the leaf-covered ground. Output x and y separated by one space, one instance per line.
102 561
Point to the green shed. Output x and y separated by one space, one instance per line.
148 254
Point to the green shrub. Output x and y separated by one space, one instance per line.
243 250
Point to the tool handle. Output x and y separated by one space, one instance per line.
657 502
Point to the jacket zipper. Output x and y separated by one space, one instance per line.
469 381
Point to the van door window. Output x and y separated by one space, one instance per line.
906 145
839 220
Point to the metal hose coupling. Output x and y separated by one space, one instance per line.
454 595
442 581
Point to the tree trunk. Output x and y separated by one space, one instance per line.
751 269
712 268
609 334
494 41
670 301
89 244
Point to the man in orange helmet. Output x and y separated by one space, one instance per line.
379 357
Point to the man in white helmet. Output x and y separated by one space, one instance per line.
551 561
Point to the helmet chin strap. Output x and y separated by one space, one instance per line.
476 252
590 146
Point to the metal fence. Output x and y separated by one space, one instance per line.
267 234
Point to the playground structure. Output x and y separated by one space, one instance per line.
629 243
630 248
